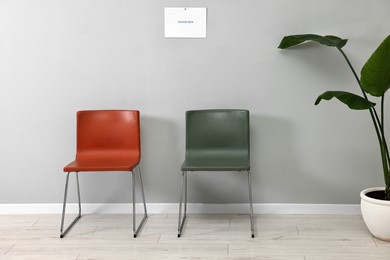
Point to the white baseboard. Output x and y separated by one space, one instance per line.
170 208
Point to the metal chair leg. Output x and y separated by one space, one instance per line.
183 185
251 203
62 234
136 231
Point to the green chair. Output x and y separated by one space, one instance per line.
216 140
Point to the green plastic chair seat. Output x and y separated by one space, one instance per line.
216 161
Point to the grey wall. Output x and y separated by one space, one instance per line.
60 56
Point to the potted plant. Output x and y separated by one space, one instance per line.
374 81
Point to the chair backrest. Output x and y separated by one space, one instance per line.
108 132
223 130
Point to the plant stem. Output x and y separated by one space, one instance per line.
374 115
379 129
383 130
385 151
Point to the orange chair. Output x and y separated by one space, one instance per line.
107 140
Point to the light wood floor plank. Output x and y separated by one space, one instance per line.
39 257
332 252
5 247
217 236
380 243
345 257
112 247
14 233
18 220
183 257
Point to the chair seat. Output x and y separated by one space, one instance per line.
216 163
102 162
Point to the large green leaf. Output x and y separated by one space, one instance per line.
351 100
328 40
375 75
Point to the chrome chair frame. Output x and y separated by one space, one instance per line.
135 230
184 190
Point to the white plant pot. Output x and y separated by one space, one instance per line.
376 214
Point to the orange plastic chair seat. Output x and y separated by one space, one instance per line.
103 162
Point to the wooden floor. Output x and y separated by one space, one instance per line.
295 237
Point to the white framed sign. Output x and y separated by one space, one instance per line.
185 22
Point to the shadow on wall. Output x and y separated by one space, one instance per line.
278 174
162 151
274 160
272 163
159 167
281 169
